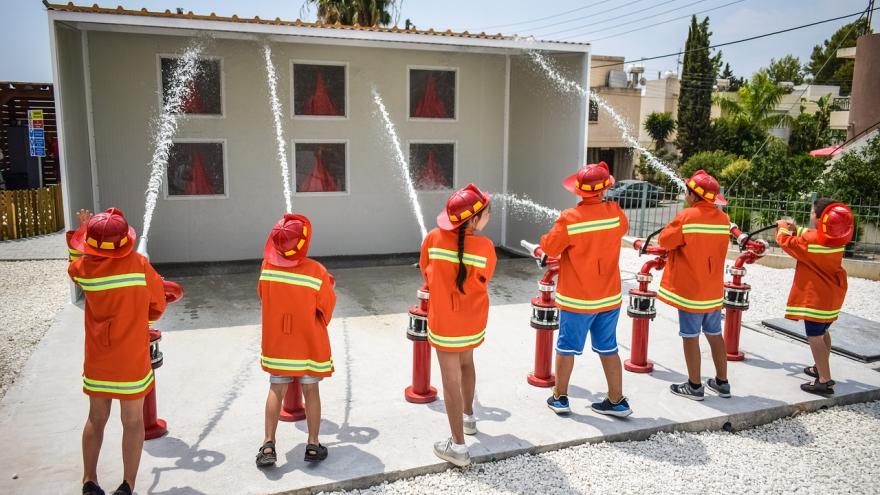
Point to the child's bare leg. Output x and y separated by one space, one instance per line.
564 368
313 410
93 436
691 347
450 372
828 346
613 376
273 409
468 381
719 355
132 412
821 355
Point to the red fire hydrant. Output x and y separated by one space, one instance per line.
154 426
545 318
292 408
736 292
421 391
641 307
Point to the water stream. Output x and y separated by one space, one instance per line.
277 113
523 207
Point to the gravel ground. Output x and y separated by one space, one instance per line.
31 292
770 287
830 451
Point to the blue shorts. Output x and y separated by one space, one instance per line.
689 324
573 329
816 329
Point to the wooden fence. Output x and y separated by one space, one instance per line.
30 212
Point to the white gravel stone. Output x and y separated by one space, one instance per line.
770 287
830 451
31 293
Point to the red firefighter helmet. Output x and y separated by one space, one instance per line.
706 187
462 205
107 235
590 180
288 242
835 225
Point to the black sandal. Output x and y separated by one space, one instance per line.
267 458
123 489
92 488
315 453
815 387
812 371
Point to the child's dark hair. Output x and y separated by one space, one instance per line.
820 204
462 269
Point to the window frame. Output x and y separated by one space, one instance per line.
456 70
334 63
190 197
161 92
454 143
346 192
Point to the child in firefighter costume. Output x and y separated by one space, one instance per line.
298 300
457 266
693 281
123 294
586 239
820 285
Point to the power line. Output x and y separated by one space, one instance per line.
750 38
575 19
591 30
658 23
530 21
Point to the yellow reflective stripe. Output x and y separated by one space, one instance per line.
705 228
126 388
784 231
291 278
464 341
689 303
112 282
452 256
801 231
572 302
593 225
818 313
297 364
74 252
820 249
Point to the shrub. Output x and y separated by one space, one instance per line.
712 162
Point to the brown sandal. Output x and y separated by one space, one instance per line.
818 388
812 371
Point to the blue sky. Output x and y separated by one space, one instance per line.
23 25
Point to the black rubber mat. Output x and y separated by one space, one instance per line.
851 335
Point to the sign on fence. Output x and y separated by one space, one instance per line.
36 133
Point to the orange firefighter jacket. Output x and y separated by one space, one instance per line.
819 278
297 303
587 240
697 240
72 254
123 295
456 321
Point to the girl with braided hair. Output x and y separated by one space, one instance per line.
457 265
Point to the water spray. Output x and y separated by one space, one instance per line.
523 206
403 165
275 104
569 86
165 127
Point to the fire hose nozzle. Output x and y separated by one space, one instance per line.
531 248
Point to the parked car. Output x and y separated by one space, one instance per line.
631 193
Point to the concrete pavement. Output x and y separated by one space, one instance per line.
212 391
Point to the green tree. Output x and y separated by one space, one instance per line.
351 12
824 65
756 105
736 136
787 68
695 99
659 126
811 131
855 177
774 172
712 162
734 82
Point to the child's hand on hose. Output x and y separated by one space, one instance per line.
83 216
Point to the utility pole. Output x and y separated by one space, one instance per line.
870 16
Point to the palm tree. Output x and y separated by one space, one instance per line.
756 105
659 126
351 12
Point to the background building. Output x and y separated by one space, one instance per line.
609 80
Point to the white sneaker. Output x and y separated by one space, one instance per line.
444 450
470 425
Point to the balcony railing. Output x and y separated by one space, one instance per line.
840 104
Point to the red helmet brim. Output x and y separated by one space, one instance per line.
78 241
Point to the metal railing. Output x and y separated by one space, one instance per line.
651 208
840 104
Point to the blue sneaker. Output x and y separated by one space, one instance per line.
559 405
621 409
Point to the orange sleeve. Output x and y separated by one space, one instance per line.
73 270
326 298
793 244
671 237
491 262
624 221
556 240
156 287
